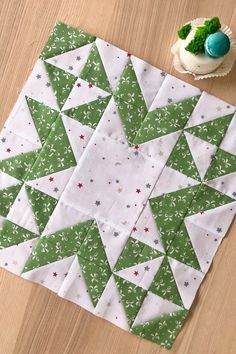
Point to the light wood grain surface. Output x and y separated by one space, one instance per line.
33 319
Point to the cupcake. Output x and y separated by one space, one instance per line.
204 49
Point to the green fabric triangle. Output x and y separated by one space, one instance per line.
18 166
94 71
181 159
162 330
7 198
166 120
164 284
169 210
130 102
43 117
207 198
90 113
92 248
61 244
56 154
182 248
42 205
63 39
12 234
213 131
135 252
132 297
62 83
95 277
223 163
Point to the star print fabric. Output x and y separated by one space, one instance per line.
117 184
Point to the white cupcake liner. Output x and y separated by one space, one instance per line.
223 69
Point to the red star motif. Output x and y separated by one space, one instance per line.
8 150
129 54
90 85
138 190
80 185
54 274
51 179
136 147
146 229
81 136
201 212
135 229
79 84
136 273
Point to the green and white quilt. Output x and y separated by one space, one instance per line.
117 184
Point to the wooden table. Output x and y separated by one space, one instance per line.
33 319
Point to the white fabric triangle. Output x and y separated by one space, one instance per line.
21 212
113 242
13 145
78 135
146 231
110 306
225 184
149 78
38 86
173 90
53 184
229 141
142 274
215 108
114 61
15 257
153 307
64 216
110 123
83 92
171 181
72 61
205 244
187 280
160 148
74 287
202 152
50 275
215 220
7 180
21 123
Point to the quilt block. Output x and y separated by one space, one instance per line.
117 184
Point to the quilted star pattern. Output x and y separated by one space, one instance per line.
117 184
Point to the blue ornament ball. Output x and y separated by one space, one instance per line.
217 45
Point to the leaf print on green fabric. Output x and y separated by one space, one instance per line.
18 166
166 120
42 205
7 198
63 39
169 210
94 71
95 277
56 154
181 159
12 234
89 114
222 163
132 297
62 82
164 284
135 252
162 330
182 249
212 131
59 245
43 117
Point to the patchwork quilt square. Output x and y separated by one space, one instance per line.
117 184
